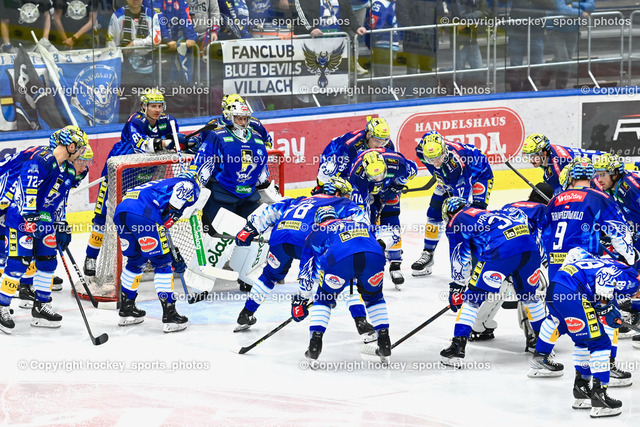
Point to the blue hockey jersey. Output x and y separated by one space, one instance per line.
220 122
626 193
463 167
559 157
152 199
487 236
237 165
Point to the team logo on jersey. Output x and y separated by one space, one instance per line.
493 278
26 242
147 244
606 277
322 63
50 240
272 260
124 245
97 98
376 279
574 325
333 281
533 279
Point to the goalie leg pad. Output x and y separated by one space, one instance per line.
246 259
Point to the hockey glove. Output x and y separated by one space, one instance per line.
246 235
456 296
63 234
299 310
179 266
609 314
170 216
32 224
182 140
318 189
398 185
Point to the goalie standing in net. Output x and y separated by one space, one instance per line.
146 131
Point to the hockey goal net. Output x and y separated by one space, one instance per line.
126 172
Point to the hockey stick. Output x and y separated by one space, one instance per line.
89 185
536 189
96 304
174 256
226 236
243 350
425 187
174 132
208 126
101 339
370 349
630 326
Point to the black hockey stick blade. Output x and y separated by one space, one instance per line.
198 297
243 350
425 187
419 328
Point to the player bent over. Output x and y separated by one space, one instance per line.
42 188
292 221
142 220
339 251
503 246
462 171
583 295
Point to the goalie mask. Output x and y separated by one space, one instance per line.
29 13
76 10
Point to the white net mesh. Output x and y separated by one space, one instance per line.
126 172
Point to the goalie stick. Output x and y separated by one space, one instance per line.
243 350
371 349
96 304
100 339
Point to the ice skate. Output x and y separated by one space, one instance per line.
543 366
581 393
129 313
314 350
396 274
89 266
619 378
245 320
384 345
453 355
485 335
57 284
173 322
635 341
44 316
365 329
423 265
6 322
601 404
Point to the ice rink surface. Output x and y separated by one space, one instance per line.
145 377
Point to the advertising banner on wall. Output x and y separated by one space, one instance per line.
285 67
612 126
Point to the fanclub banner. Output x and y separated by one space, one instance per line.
30 99
284 67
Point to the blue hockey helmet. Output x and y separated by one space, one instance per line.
452 205
324 213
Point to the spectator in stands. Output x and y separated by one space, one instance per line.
8 13
533 11
419 46
235 19
467 49
134 25
69 16
563 40
269 18
205 16
315 17
31 11
382 15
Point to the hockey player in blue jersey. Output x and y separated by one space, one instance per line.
378 176
142 219
292 221
576 218
43 184
583 296
147 131
232 163
227 120
462 171
624 187
552 158
504 247
341 251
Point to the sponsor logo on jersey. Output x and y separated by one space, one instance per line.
557 257
272 260
570 196
376 279
49 240
518 230
533 279
289 225
124 245
26 242
147 244
574 325
493 278
478 188
633 181
348 235
333 281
